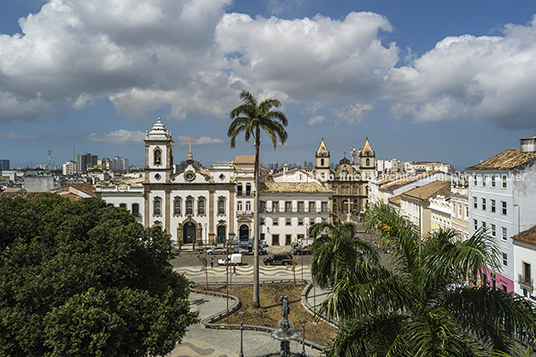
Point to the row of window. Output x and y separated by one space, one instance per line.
286 206
491 179
240 191
492 229
288 221
493 205
288 239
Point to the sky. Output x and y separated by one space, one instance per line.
451 81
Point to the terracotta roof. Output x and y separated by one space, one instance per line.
506 160
408 179
528 236
428 191
36 195
244 160
293 187
84 187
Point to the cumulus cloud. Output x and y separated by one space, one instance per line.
469 77
121 136
191 57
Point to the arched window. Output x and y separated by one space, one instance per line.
201 206
248 206
177 206
368 162
221 206
189 206
158 157
157 207
239 206
248 189
123 205
239 189
321 162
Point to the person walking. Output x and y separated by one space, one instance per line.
212 262
234 270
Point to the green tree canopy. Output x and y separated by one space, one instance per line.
84 279
424 302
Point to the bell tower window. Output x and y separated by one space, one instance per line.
157 157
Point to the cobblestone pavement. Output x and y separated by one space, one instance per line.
202 342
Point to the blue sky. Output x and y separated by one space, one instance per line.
424 80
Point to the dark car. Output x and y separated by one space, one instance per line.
278 259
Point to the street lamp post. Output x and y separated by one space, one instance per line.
227 276
241 333
303 332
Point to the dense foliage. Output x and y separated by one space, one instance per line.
424 303
83 279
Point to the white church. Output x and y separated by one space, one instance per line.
196 205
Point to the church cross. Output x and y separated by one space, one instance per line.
190 142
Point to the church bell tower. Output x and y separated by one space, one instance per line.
158 154
322 163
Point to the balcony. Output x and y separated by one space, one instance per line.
244 214
525 280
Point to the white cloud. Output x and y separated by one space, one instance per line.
352 114
16 136
470 77
193 58
203 140
316 120
121 136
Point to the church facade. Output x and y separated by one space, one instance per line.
199 206
349 182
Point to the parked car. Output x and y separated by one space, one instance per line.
216 250
278 259
233 259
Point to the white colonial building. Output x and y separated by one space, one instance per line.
289 208
198 206
502 198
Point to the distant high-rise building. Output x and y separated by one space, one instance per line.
69 168
119 164
83 160
4 165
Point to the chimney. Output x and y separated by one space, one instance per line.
528 144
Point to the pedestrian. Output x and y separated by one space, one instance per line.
212 262
234 270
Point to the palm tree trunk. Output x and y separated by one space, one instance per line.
256 300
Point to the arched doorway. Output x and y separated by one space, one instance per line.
221 234
244 233
189 233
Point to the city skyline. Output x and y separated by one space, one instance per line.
445 82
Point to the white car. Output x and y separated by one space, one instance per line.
216 250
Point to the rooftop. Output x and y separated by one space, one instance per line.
431 190
244 160
292 187
388 185
506 160
528 236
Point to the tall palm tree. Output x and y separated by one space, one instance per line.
423 303
252 118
